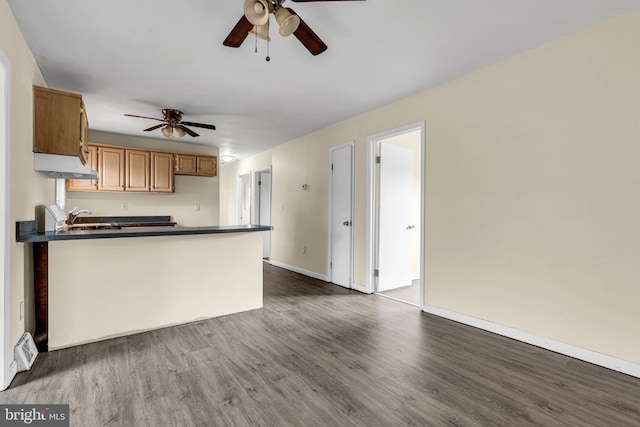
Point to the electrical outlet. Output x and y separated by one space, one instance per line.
196 206
124 206
21 309
303 249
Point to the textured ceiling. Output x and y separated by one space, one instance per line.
140 56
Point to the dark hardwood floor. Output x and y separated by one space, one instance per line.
321 355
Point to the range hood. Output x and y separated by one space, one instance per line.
64 167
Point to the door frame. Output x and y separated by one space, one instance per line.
255 189
371 189
5 214
330 190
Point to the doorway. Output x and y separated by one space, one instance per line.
341 214
244 199
395 217
262 206
5 355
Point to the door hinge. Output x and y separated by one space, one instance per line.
377 159
331 264
259 182
331 166
376 273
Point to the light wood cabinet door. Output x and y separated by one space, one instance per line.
162 173
86 184
84 135
111 169
59 122
207 165
195 165
185 164
137 177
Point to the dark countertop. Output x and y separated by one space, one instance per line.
26 232
89 219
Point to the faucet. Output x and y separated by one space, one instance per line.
73 214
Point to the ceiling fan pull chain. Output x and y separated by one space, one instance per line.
268 58
256 47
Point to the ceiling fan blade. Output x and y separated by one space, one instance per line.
199 125
154 127
187 130
308 38
239 33
144 117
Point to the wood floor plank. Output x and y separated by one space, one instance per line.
321 355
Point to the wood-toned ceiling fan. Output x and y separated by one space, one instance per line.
172 121
256 17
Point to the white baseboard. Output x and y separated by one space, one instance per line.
360 288
300 270
610 362
355 286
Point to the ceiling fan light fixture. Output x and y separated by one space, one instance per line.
180 132
262 32
287 21
256 11
167 131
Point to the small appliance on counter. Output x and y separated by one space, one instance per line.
54 218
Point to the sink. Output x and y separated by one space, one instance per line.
93 226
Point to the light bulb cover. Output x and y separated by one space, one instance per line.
287 21
180 132
167 131
256 11
262 32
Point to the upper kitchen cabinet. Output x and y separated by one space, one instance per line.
196 165
207 166
185 164
86 184
162 176
60 124
137 176
111 161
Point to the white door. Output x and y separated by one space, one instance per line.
394 218
244 199
264 209
341 214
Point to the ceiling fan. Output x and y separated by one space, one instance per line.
256 21
172 121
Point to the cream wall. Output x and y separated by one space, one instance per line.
28 189
179 205
229 174
531 178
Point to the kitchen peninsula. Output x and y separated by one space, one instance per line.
109 283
